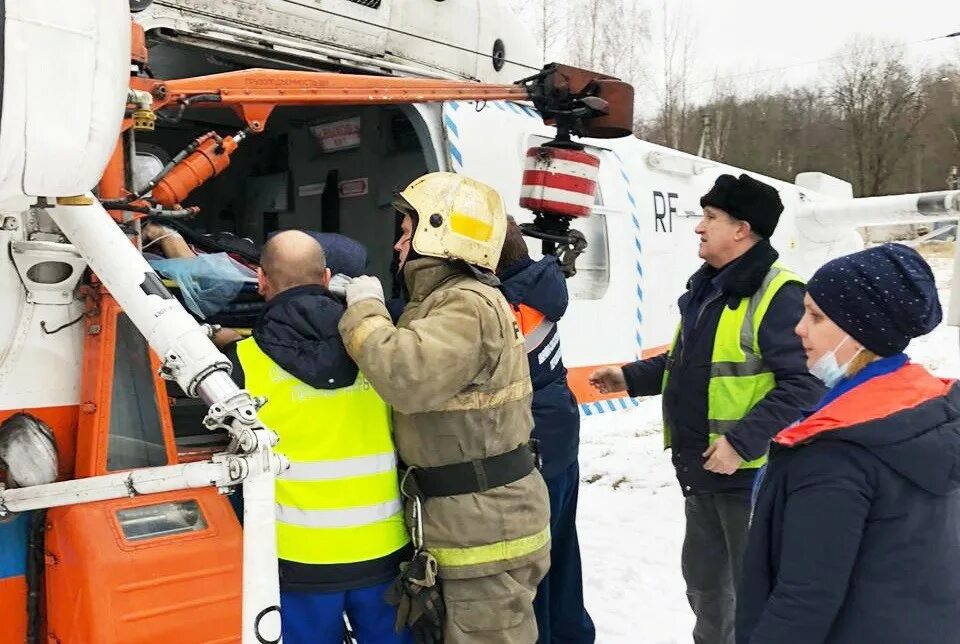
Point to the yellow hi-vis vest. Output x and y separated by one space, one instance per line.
340 500
739 379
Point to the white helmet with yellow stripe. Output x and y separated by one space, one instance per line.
458 218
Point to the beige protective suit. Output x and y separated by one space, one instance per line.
455 371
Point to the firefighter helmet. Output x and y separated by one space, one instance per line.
457 218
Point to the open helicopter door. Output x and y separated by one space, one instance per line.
150 568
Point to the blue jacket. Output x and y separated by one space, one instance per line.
685 399
556 417
855 534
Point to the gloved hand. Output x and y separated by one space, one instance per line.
364 287
338 284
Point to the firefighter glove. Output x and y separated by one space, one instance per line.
416 594
364 287
338 285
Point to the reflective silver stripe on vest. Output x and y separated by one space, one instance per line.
549 349
331 470
538 335
752 364
721 426
746 331
339 518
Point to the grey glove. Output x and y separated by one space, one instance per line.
364 287
338 284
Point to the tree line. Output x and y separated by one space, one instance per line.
869 117
872 120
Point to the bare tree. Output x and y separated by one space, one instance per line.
608 36
678 41
669 83
724 112
547 20
880 104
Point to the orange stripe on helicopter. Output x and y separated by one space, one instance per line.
579 378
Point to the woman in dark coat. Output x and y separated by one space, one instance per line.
855 534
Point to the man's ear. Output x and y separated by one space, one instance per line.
262 285
326 277
744 229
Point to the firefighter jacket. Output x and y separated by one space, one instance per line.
455 371
339 514
736 368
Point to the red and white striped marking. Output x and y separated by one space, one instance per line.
558 181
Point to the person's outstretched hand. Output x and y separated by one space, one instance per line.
608 380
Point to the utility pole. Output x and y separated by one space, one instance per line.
706 136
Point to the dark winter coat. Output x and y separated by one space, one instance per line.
856 531
685 399
298 330
541 286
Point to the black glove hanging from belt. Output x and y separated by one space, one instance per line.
417 595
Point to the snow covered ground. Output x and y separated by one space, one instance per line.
631 510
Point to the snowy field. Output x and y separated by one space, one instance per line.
631 510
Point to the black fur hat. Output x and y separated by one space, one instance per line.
747 199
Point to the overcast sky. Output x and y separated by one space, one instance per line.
762 45
745 35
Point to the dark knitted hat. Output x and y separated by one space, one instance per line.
882 296
747 199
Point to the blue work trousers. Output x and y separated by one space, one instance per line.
561 615
311 617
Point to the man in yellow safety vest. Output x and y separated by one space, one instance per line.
734 376
340 531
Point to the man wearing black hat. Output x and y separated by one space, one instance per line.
735 375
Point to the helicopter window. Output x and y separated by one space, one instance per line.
593 266
145 167
136 435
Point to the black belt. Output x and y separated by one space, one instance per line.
478 475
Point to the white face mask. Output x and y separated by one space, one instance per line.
826 367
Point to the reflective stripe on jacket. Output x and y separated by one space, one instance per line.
739 378
339 502
537 293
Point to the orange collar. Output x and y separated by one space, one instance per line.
879 397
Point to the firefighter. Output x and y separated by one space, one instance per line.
735 375
537 292
455 371
340 531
